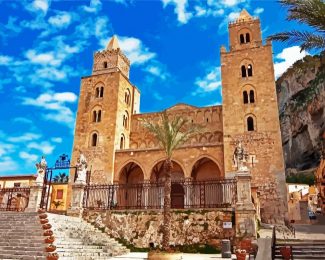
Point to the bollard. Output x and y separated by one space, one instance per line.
225 248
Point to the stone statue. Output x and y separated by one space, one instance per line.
81 168
41 168
240 157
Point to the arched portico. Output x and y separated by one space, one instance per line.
205 169
131 173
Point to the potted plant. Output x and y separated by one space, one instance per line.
47 226
41 211
50 248
240 254
44 221
52 256
47 233
285 252
42 215
49 240
57 203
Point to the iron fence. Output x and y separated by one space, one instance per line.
14 199
150 195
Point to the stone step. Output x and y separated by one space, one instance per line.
24 257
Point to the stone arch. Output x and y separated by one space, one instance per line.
205 168
249 89
99 89
244 36
250 123
157 173
131 173
94 135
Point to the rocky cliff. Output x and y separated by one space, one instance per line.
301 100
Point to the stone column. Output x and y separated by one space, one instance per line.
76 205
35 197
245 210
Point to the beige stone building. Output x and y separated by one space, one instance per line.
119 150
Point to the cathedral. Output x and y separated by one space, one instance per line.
120 150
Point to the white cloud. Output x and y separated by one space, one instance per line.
45 147
6 148
7 165
25 137
288 57
134 49
56 103
42 58
62 19
229 18
210 82
4 60
180 9
39 5
258 11
30 158
94 6
56 140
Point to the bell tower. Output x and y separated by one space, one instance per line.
107 101
250 114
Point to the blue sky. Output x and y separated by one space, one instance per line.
173 45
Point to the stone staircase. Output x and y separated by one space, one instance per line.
21 236
78 240
302 249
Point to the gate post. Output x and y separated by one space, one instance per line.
245 209
76 205
35 197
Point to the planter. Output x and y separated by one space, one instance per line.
49 240
42 216
164 256
50 248
40 211
52 256
285 252
44 221
241 256
47 226
48 233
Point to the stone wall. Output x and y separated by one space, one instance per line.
140 228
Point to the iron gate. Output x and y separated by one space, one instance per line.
14 199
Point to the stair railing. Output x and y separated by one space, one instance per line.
273 242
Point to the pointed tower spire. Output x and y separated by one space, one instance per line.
113 44
244 16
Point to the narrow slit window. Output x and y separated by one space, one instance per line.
242 40
245 97
101 92
99 116
105 64
97 93
248 38
250 124
94 140
122 142
251 96
250 70
94 116
243 71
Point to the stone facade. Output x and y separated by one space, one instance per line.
188 227
118 148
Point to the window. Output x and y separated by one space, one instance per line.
94 116
245 97
105 64
16 184
122 142
101 94
97 93
243 71
242 40
94 139
99 116
59 194
125 120
250 124
248 38
250 70
127 97
251 96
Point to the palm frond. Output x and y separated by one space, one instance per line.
306 40
310 12
170 133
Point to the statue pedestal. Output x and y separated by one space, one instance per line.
245 209
76 207
35 197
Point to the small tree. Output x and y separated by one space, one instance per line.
61 178
57 203
311 13
170 134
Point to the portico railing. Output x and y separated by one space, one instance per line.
214 193
14 199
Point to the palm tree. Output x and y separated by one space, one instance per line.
170 134
61 178
310 12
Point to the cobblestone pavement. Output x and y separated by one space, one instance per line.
138 256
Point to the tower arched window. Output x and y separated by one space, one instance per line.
97 92
251 96
94 116
101 94
243 71
242 39
122 142
250 124
105 64
127 97
245 97
250 70
99 116
94 139
248 38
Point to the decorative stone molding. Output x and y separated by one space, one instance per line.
76 208
35 197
